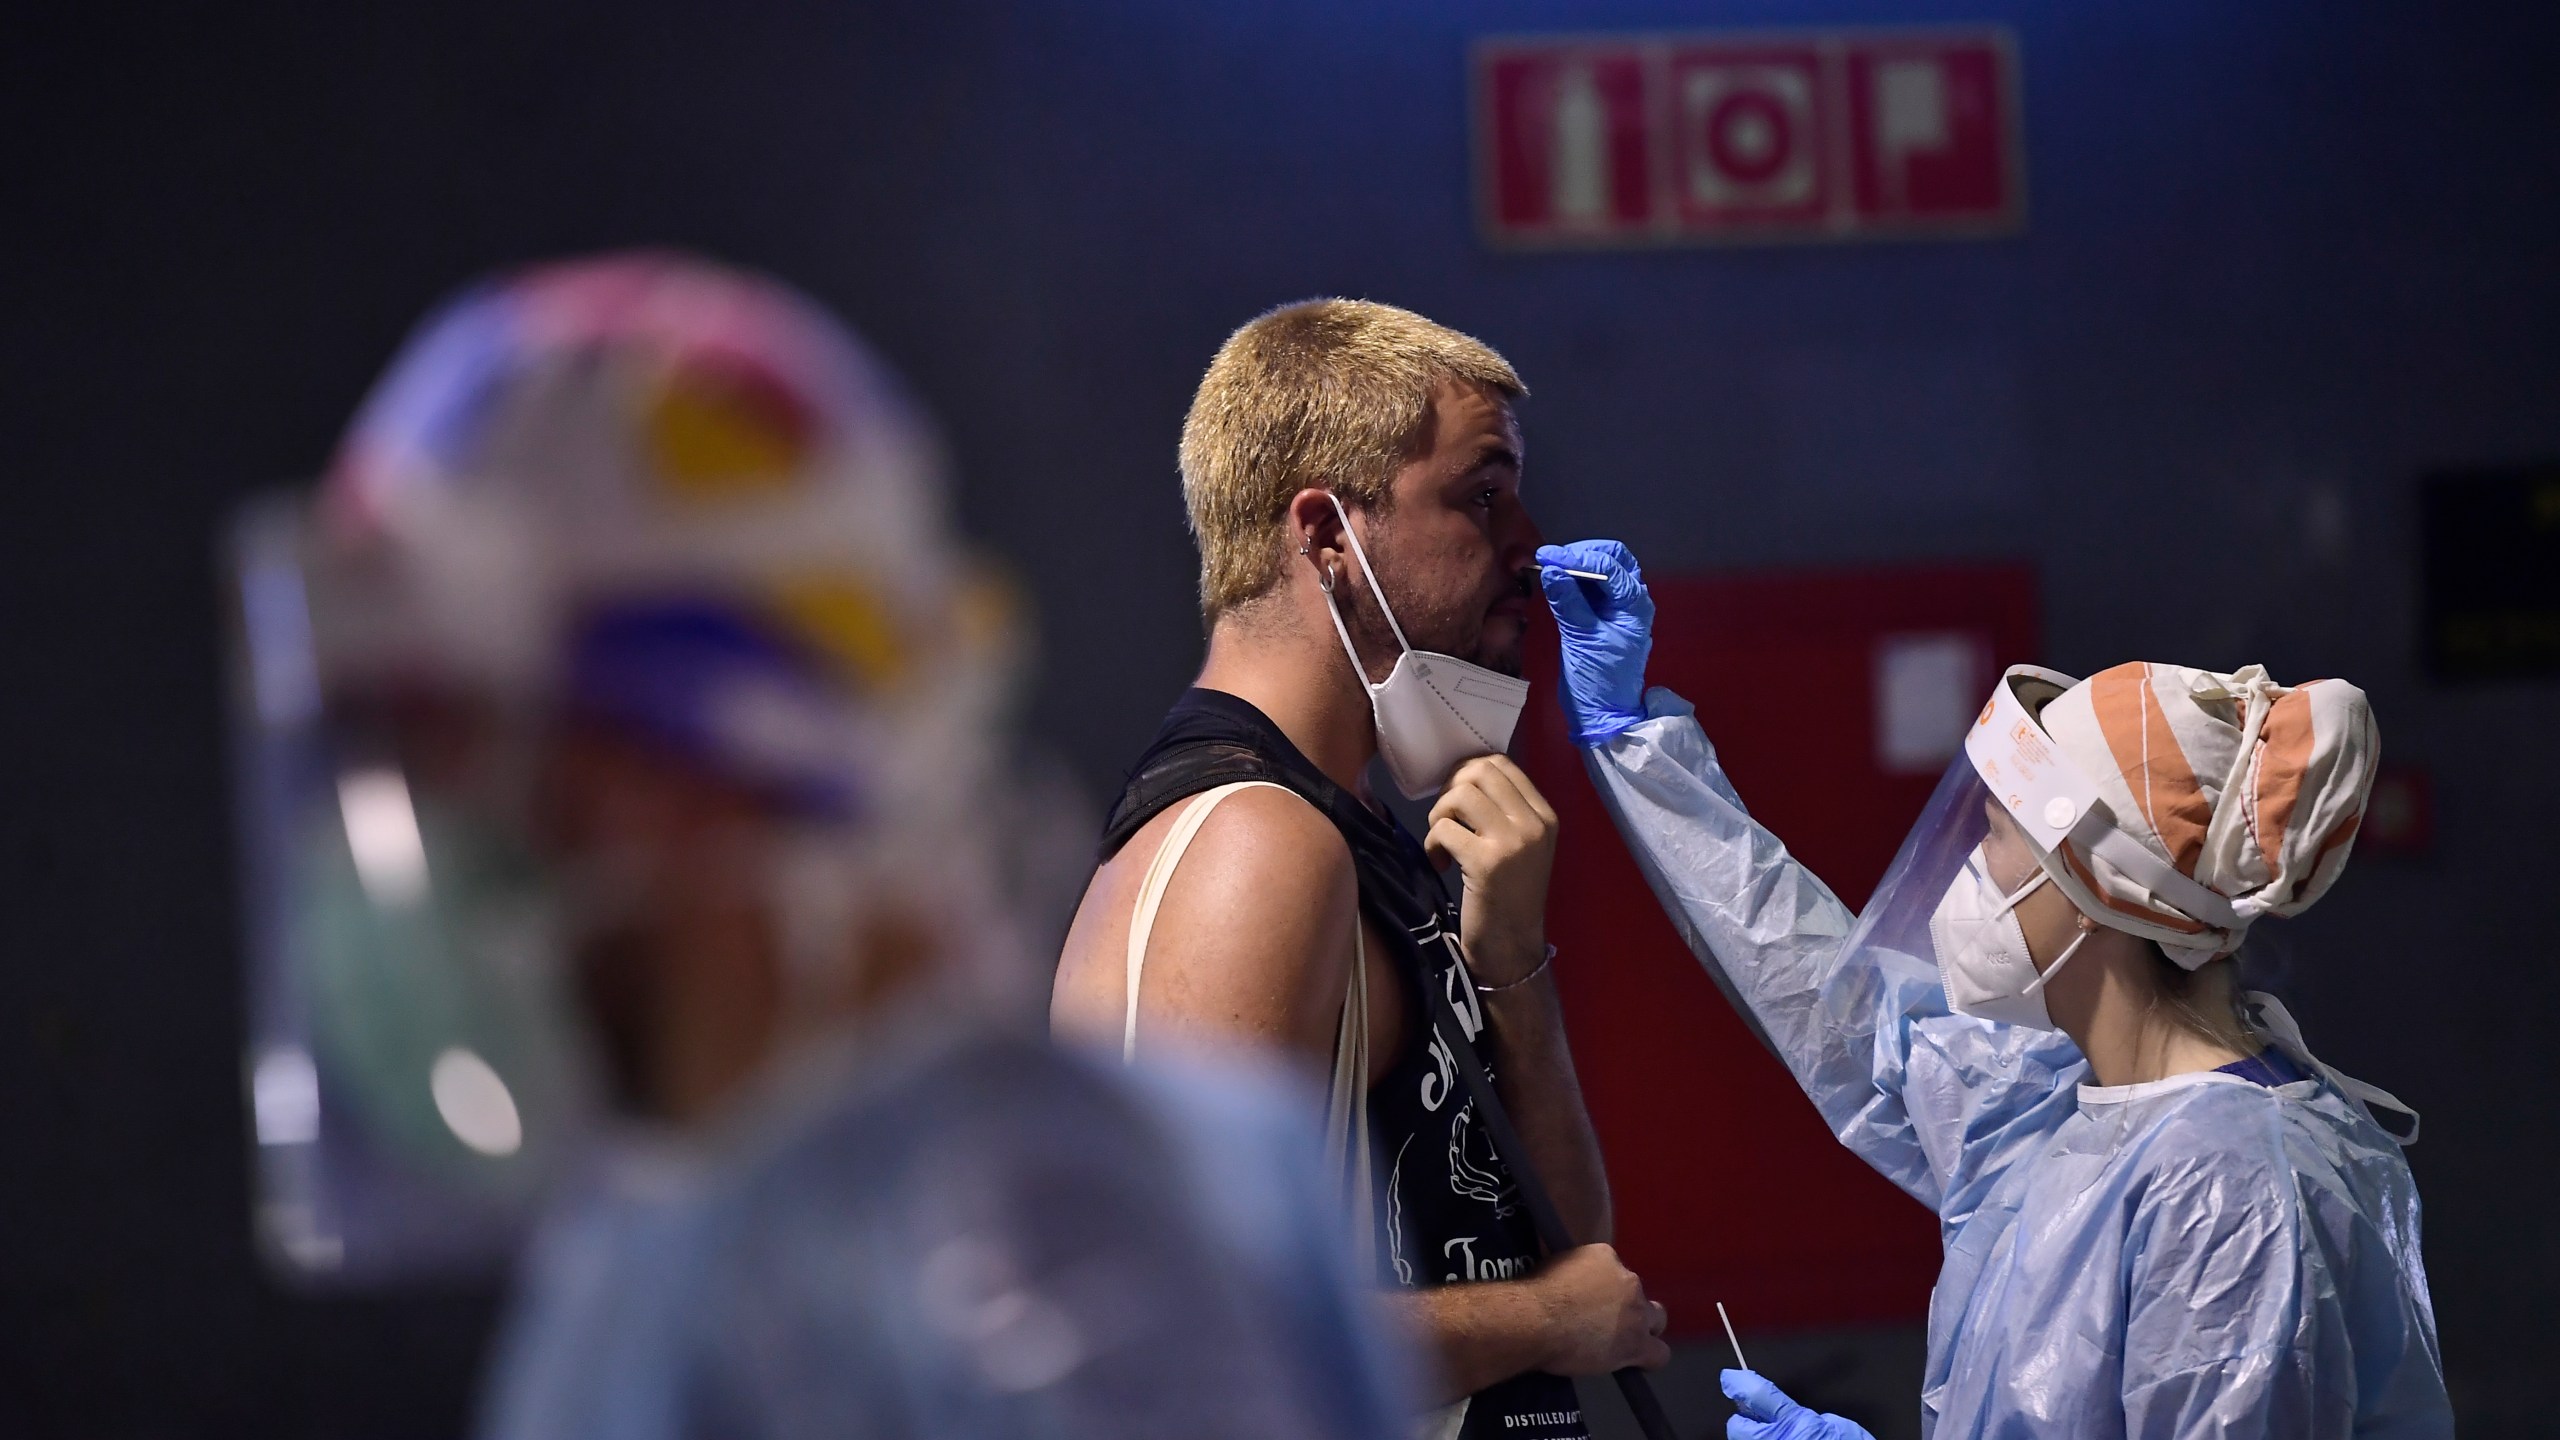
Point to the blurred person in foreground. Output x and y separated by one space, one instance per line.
630 823
2164 1217
1352 473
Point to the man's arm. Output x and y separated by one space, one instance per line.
1253 941
1583 1313
1502 834
1253 938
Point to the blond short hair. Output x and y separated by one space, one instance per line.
1322 394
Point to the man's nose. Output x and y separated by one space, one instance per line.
1520 539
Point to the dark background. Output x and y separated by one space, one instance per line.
2281 259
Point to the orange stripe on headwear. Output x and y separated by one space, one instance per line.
2152 762
2284 758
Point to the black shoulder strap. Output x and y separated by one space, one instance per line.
1185 771
1210 739
1632 1383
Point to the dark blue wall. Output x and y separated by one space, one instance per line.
2280 259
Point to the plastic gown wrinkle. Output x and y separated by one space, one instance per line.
2200 1256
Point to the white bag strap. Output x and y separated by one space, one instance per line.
1346 1121
1142 921
1346 1129
2287 1032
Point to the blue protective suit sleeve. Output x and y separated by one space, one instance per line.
1940 1104
602 1305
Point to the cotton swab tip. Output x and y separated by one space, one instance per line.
1738 1362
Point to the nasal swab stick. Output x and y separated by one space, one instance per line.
1738 1362
1588 575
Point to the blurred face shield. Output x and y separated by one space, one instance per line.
416 1067
613 542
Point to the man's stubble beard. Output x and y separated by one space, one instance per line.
1503 660
1462 636
1370 629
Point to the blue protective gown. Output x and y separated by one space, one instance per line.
979 1237
2197 1256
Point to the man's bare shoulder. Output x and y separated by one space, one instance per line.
1263 850
1253 934
1264 859
1255 930
1277 829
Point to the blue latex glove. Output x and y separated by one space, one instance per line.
1763 1412
1607 631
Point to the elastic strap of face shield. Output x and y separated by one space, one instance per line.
2098 834
2056 804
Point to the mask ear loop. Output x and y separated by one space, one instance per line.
2086 930
2010 901
1363 557
1333 611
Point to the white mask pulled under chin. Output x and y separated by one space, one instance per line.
1434 712
1982 950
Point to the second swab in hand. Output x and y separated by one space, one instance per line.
1738 1362
1762 1411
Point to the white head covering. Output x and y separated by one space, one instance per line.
2250 788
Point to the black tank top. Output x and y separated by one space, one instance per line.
1450 1213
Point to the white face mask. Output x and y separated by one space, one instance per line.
1435 712
1982 950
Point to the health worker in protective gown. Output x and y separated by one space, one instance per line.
2162 1215
637 854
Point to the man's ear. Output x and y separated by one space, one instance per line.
1315 534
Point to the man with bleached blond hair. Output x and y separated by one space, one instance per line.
1352 473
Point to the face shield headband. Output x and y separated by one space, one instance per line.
2057 807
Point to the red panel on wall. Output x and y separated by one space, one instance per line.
1748 136
1826 695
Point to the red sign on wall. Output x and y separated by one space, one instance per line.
1779 136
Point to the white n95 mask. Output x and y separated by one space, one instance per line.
1435 712
1982 950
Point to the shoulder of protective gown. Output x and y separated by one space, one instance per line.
2221 1165
2217 1126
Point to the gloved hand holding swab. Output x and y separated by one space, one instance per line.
1604 619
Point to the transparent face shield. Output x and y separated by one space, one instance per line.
1948 900
1941 846
415 1072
